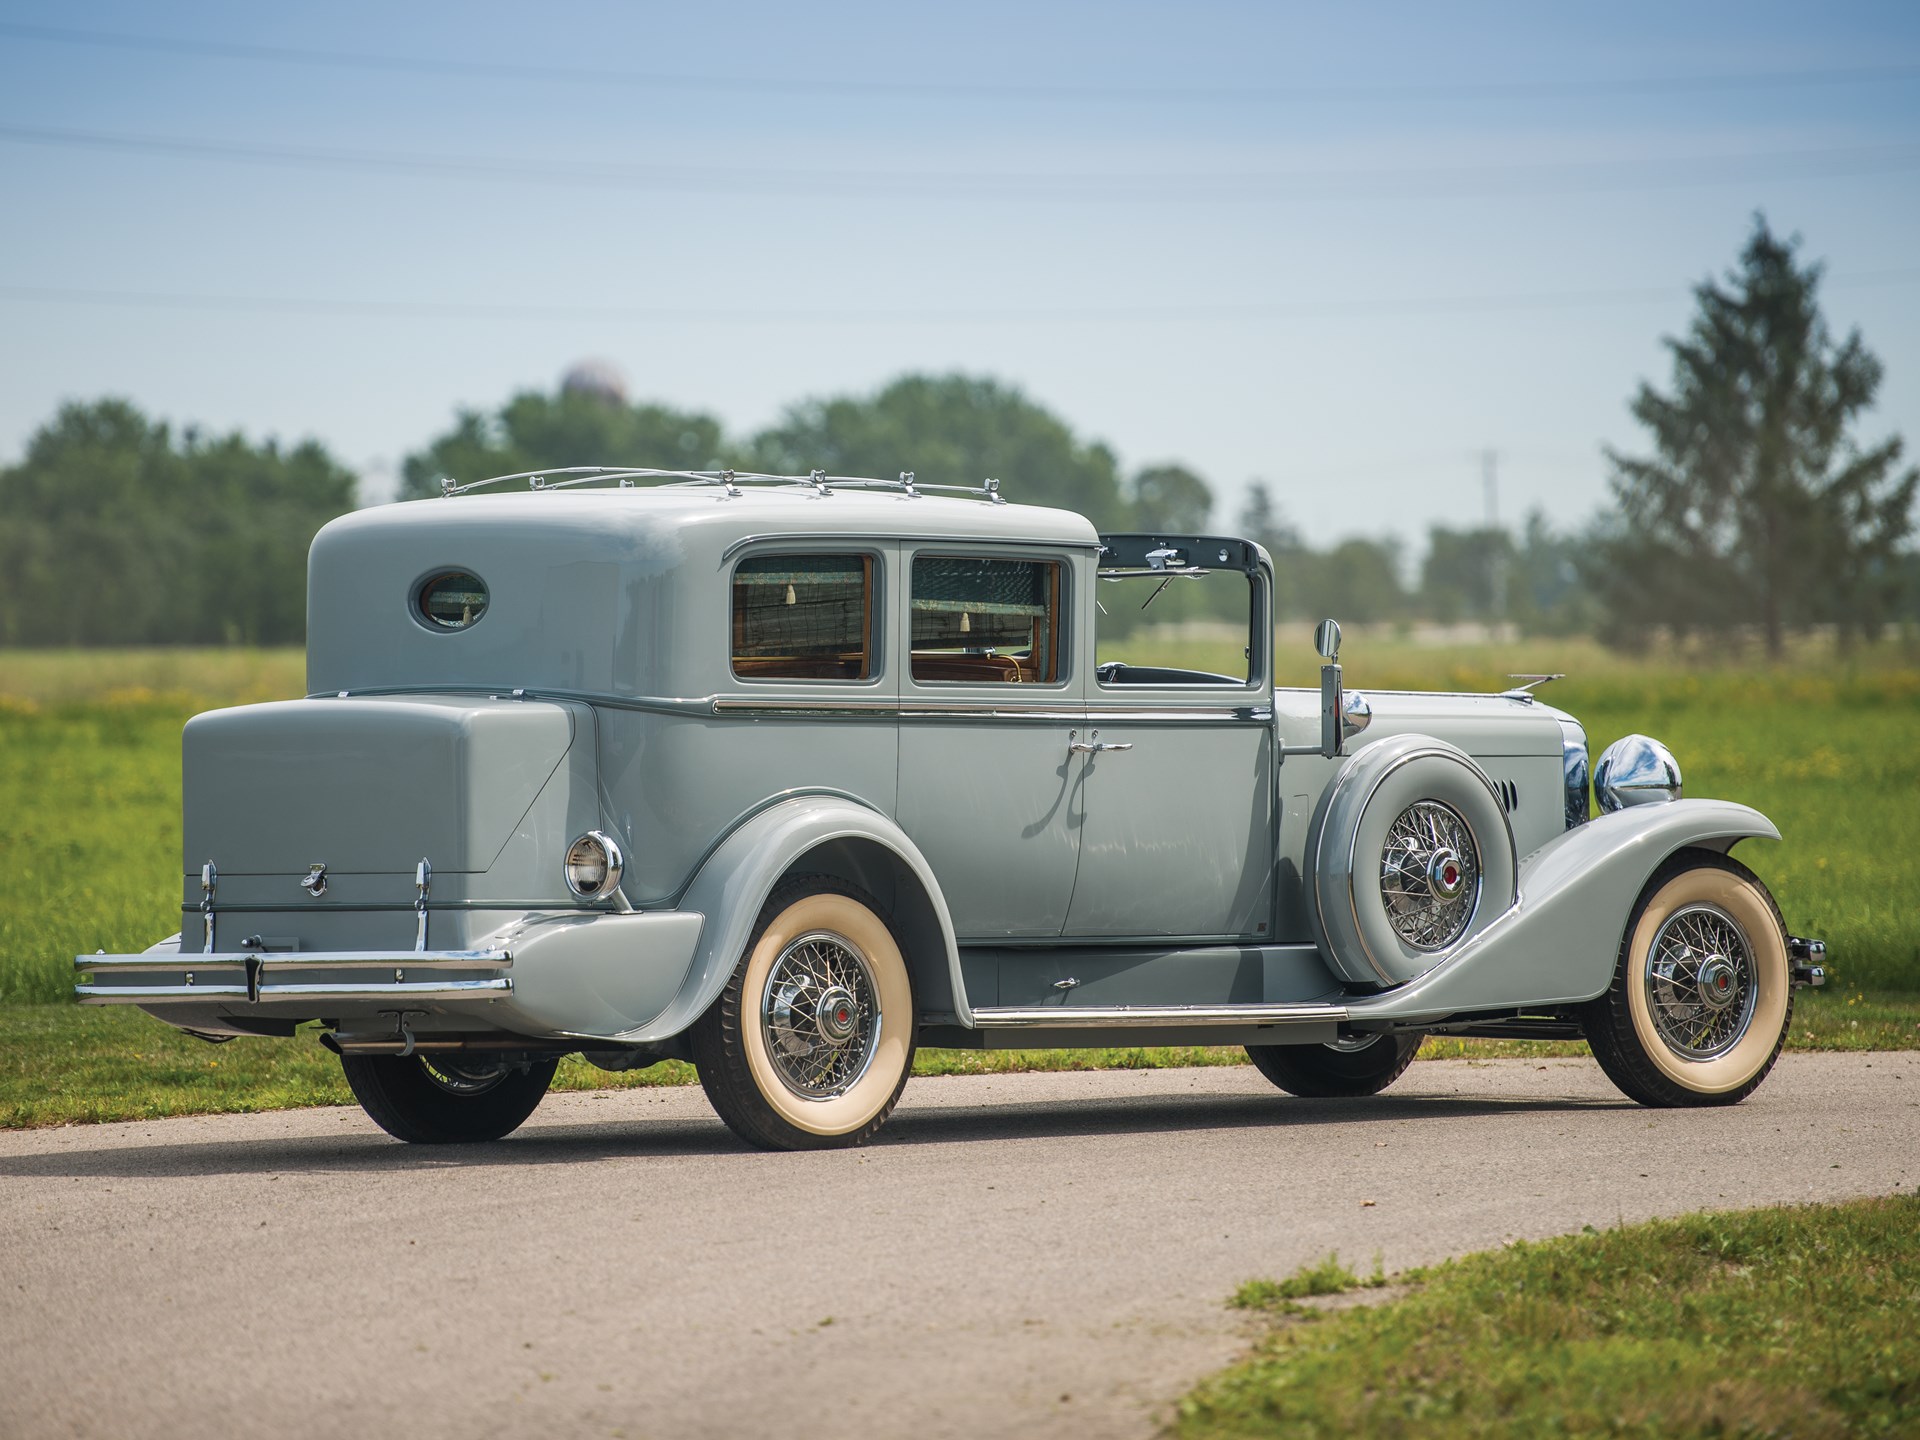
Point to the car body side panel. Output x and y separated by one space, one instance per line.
1559 944
1178 832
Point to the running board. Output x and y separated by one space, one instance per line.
1088 1017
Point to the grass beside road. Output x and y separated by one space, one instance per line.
90 778
71 1064
90 827
1793 1321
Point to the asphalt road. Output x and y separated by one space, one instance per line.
1021 1255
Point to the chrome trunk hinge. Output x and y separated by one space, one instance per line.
422 880
209 878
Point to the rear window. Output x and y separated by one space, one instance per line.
986 621
803 617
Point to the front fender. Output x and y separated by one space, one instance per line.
737 877
1559 942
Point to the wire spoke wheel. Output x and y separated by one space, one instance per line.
447 1099
1699 980
1702 991
458 1078
821 1015
810 1042
1430 875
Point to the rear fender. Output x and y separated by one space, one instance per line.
1558 945
814 834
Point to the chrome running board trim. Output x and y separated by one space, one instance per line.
1087 1017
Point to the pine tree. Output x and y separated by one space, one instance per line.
1757 506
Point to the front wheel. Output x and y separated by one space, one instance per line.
446 1100
1353 1066
811 1042
1702 994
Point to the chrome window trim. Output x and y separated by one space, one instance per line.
800 706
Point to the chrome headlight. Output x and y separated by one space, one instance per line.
594 863
1636 770
1573 771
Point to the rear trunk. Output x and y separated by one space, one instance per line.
367 789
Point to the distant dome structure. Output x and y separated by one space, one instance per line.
600 379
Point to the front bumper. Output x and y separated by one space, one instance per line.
1807 959
160 977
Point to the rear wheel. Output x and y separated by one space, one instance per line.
811 1042
1355 1065
1702 994
444 1100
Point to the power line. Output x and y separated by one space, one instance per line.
1426 181
862 88
1261 310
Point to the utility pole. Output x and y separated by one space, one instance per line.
1497 560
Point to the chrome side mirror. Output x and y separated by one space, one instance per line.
1326 641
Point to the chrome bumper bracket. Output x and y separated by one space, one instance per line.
1807 961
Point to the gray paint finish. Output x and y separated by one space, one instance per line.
364 786
597 692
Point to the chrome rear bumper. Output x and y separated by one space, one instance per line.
253 977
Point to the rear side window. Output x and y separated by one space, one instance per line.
986 621
451 600
803 617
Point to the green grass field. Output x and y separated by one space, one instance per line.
90 772
1793 1321
90 817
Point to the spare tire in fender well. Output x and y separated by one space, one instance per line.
1454 870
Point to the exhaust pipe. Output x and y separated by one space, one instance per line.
412 1044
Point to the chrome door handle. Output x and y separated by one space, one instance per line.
1093 746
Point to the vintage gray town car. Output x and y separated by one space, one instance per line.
789 775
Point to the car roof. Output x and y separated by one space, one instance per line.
708 518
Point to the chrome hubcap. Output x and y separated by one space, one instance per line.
1699 981
820 1015
1430 875
834 1015
1446 877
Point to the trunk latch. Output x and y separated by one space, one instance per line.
422 882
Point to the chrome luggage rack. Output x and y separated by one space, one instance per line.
626 478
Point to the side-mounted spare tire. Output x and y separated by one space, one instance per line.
1410 857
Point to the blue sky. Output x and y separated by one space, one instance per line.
1344 249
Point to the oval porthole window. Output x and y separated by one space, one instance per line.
452 600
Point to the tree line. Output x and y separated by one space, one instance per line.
1754 509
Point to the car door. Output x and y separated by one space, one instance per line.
990 707
1179 837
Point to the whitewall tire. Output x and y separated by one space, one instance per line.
811 1042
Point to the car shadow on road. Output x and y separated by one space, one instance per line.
362 1153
